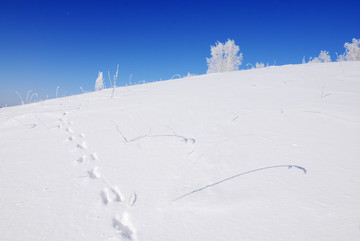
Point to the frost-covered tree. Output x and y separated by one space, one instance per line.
99 83
323 57
224 57
352 51
259 65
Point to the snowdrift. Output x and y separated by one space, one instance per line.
262 154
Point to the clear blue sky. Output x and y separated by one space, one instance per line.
45 44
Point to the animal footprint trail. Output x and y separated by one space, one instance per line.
82 159
69 130
111 195
117 194
94 173
94 156
132 199
124 227
82 145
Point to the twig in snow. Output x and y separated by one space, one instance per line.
34 94
27 96
118 130
176 75
235 114
21 99
84 91
185 139
57 91
31 125
244 173
252 66
43 123
115 78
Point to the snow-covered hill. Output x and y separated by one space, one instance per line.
262 154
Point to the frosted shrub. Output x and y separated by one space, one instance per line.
323 58
352 51
99 83
224 57
340 58
259 65
314 60
189 75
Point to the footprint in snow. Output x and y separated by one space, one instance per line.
69 130
94 156
82 159
132 199
124 227
94 173
85 157
111 195
82 145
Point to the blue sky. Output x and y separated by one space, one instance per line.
45 44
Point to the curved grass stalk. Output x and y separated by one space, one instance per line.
232 177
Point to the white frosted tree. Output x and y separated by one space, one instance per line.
99 83
224 57
323 57
352 51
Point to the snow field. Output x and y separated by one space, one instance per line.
89 167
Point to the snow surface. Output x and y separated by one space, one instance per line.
156 162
